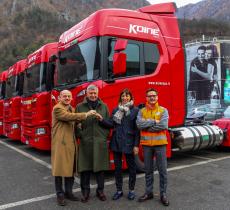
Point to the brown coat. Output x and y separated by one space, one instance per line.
63 145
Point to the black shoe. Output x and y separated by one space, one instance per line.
61 200
145 197
164 200
70 196
117 195
101 196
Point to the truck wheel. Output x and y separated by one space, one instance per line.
139 164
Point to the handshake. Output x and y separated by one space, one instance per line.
94 113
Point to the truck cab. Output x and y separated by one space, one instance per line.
152 56
36 98
2 96
12 101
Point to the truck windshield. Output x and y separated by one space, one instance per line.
80 62
2 90
11 84
35 79
14 86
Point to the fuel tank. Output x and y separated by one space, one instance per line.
193 138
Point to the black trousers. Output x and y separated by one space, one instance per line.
68 182
118 170
85 181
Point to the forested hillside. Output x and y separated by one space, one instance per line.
26 25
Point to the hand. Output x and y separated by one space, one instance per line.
194 69
99 117
79 125
91 112
136 150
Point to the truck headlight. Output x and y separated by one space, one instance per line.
14 126
40 131
0 123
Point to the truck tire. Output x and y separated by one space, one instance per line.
139 164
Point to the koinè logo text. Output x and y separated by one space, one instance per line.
143 29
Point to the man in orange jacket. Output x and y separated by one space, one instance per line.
152 120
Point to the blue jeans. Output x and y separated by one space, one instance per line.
161 161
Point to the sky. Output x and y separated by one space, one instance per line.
179 3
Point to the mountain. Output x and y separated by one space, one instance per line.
208 9
26 25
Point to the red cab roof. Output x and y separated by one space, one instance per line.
146 24
42 54
3 76
17 68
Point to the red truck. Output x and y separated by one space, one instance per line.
2 96
116 49
12 101
36 99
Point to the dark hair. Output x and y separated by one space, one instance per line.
127 92
151 89
202 47
214 50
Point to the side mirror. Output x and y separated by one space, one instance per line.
53 58
63 61
120 45
119 63
28 74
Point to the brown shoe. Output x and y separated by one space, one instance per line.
71 197
61 200
101 196
145 197
85 198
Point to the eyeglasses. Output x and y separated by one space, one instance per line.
149 96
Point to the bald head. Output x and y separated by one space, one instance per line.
65 97
65 92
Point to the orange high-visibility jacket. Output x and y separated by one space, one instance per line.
153 133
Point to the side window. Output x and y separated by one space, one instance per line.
142 58
132 52
133 60
151 57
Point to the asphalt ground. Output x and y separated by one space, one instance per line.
197 181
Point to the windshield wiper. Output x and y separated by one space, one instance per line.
77 80
63 84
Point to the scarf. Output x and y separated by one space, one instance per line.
122 110
92 104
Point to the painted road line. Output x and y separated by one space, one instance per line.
41 162
199 157
190 165
37 160
19 203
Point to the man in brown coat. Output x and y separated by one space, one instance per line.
63 145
